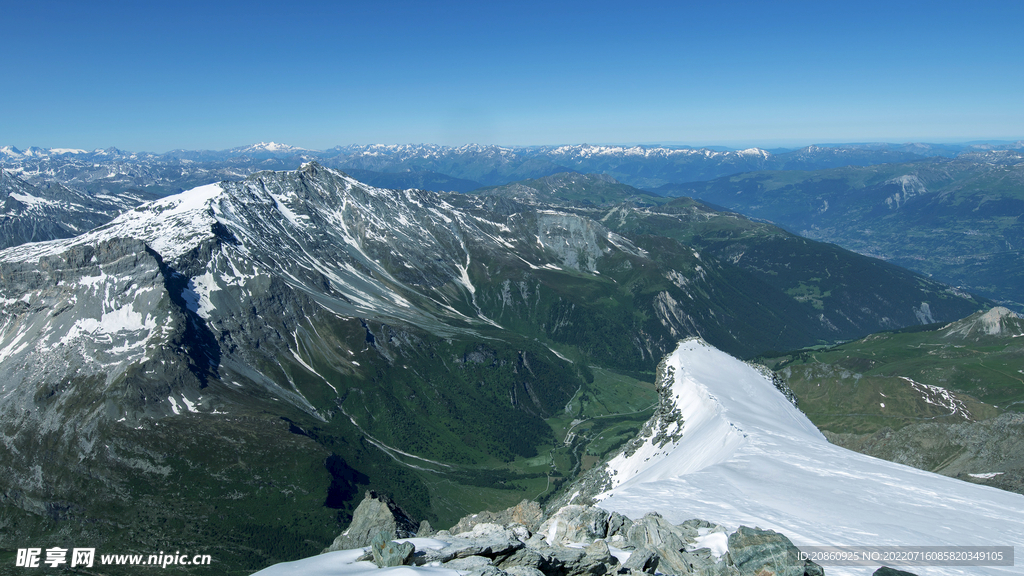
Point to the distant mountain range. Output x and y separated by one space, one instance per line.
447 168
276 334
958 220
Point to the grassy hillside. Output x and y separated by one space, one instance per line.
947 398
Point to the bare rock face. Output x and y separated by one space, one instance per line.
376 513
527 513
767 553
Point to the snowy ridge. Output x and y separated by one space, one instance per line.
589 151
172 226
747 457
711 431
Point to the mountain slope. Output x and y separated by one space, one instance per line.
573 188
823 291
959 220
727 444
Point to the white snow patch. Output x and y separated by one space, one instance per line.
197 294
717 542
986 475
938 396
343 563
31 200
118 320
189 404
555 352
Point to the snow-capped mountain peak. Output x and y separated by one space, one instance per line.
268 147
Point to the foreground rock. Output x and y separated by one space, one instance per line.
387 553
576 541
375 514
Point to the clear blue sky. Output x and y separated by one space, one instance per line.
156 76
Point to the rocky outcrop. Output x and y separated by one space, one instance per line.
581 541
375 514
527 513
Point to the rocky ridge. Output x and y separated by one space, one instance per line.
576 541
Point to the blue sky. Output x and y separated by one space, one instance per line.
157 76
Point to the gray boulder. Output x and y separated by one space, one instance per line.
766 553
530 558
374 514
468 563
618 524
598 559
594 560
575 524
486 571
642 560
488 540
659 534
387 553
568 562
424 529
696 523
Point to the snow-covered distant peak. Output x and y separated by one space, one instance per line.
272 147
36 152
590 151
745 456
754 152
